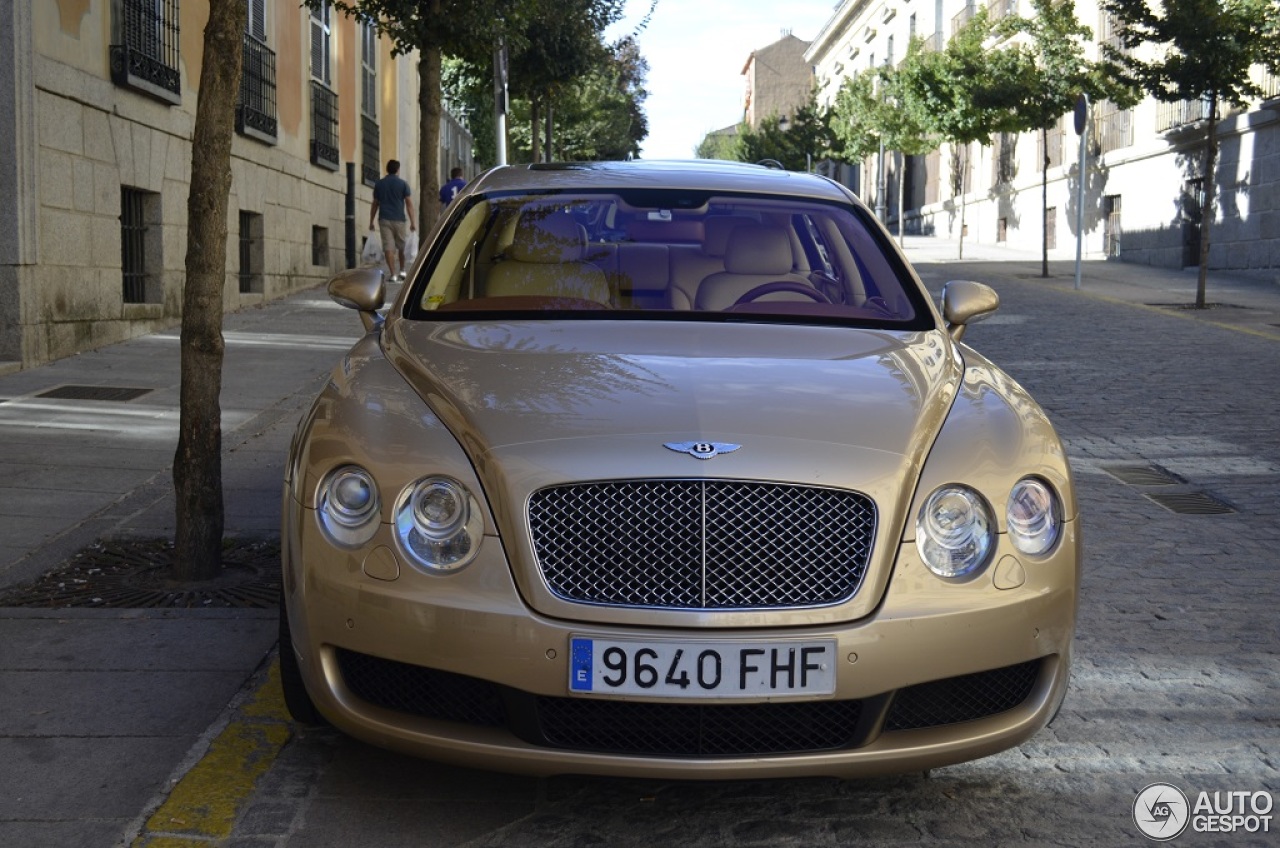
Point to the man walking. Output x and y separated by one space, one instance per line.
391 200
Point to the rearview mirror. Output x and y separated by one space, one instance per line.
362 289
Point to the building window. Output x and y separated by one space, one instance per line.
256 104
140 245
1002 230
324 100
1192 220
144 54
251 253
370 151
1111 225
1051 227
319 246
1004 161
1049 143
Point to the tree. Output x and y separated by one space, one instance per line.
968 92
880 109
197 463
719 144
1205 50
602 113
561 44
796 141
467 29
1058 74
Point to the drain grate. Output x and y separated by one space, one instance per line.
1191 503
1143 475
106 393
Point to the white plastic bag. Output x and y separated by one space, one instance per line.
410 249
372 252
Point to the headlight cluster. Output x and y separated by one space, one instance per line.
955 531
438 522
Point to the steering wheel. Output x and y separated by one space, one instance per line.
782 286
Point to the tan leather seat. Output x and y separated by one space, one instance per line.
756 254
546 258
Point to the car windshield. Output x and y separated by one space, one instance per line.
665 254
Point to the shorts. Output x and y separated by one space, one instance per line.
393 233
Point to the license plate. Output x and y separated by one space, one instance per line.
724 669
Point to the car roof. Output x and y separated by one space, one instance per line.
693 174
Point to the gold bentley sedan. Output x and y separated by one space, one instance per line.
674 470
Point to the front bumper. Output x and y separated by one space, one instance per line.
458 669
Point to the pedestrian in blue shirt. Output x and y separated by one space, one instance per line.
393 210
450 190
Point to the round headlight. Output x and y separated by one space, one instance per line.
1033 517
348 506
439 523
954 532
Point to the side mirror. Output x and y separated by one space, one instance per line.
965 302
362 289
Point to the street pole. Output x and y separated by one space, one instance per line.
1082 124
881 210
500 102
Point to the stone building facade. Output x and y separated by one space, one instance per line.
97 110
1142 189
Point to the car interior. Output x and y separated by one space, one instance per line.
708 254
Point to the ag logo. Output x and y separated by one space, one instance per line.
702 450
1161 812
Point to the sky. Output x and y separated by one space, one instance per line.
696 50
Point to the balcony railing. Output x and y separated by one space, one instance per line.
932 43
256 107
146 59
1112 128
324 126
370 167
1180 113
963 17
1268 82
997 9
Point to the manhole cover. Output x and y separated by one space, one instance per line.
134 574
106 393
1143 475
1191 503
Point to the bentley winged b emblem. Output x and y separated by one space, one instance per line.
702 450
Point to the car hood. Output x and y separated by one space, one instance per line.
539 403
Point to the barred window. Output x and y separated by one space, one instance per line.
144 52
140 246
370 152
251 252
256 103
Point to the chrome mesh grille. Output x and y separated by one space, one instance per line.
701 544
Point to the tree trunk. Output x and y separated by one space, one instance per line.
535 149
550 157
430 99
1044 205
197 464
1210 185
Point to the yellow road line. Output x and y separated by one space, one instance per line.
203 806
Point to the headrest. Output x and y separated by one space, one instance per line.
547 236
758 249
718 229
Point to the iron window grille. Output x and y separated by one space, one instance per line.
133 244
256 105
145 55
251 252
369 136
324 126
1112 127
1111 225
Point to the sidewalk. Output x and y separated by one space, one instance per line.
84 691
